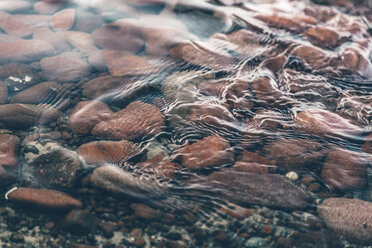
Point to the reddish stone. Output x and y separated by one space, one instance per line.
306 19
14 5
65 68
280 21
253 163
296 154
3 93
145 212
37 94
212 151
22 116
63 20
80 222
238 95
25 50
267 93
9 145
107 151
197 53
111 36
80 40
160 165
44 199
354 60
313 56
53 38
124 64
45 8
237 211
105 87
35 21
137 120
324 37
13 26
323 122
349 217
87 114
345 170
367 146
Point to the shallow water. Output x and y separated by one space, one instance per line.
252 116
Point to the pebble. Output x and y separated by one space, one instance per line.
13 26
25 50
292 175
63 20
3 93
40 93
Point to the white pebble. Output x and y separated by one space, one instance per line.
292 175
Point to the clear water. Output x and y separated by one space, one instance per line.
264 107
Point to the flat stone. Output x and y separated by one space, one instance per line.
315 57
349 217
280 21
345 170
296 154
105 87
271 190
14 6
25 50
354 60
254 163
212 151
107 151
45 8
3 93
145 212
136 121
160 165
40 93
65 68
324 122
22 116
56 168
80 40
44 199
80 222
87 114
63 20
324 37
111 36
57 40
123 64
13 26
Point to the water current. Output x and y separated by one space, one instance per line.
186 123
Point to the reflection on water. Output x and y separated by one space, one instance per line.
241 123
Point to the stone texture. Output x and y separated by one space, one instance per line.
296 154
25 50
160 165
57 40
119 182
18 77
13 26
349 217
280 21
63 20
65 68
324 122
324 37
124 64
315 57
45 8
80 40
107 151
3 93
345 170
105 87
56 168
9 145
22 116
111 36
269 190
80 222
212 151
87 21
14 5
145 212
44 199
136 121
254 163
40 93
87 114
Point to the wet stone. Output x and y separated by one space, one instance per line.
345 170
136 121
107 151
14 5
324 37
296 154
44 199
14 27
57 40
22 116
40 93
105 87
80 40
25 50
80 222
63 20
3 93
87 114
55 167
254 163
212 151
45 8
65 68
349 217
9 146
145 212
